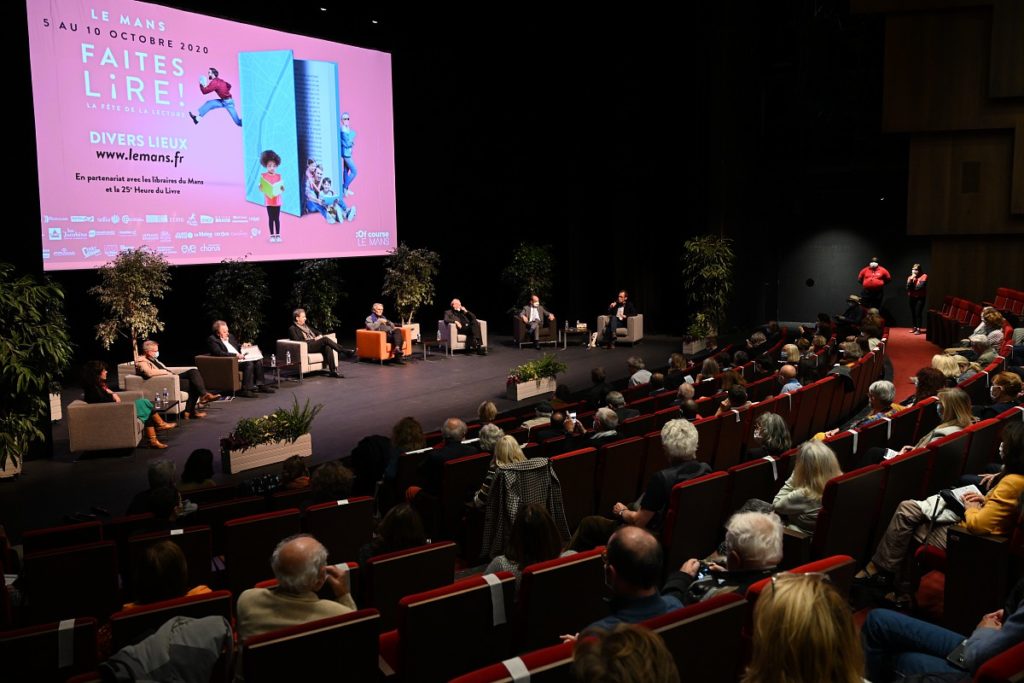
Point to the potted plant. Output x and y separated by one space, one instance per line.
529 272
707 283
409 279
317 288
236 293
269 439
534 377
35 351
130 287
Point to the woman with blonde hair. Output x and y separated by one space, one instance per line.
799 500
954 409
947 365
791 353
804 633
486 412
506 452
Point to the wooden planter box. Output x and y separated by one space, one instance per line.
528 389
692 347
234 462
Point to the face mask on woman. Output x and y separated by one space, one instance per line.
938 409
995 391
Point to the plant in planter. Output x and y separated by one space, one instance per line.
34 351
318 288
534 377
529 272
236 293
707 282
409 279
258 441
130 287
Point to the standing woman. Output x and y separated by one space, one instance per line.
95 390
917 291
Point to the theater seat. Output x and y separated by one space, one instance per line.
548 665
391 576
130 626
49 652
560 596
705 638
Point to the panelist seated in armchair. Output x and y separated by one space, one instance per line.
315 341
223 343
468 324
378 323
617 312
535 317
149 365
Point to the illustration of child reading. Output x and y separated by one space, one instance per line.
272 187
212 83
319 200
337 211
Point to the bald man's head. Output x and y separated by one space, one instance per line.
635 556
298 563
787 372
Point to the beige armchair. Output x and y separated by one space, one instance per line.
448 332
149 388
632 332
308 362
103 426
220 373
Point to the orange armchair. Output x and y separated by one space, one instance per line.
373 344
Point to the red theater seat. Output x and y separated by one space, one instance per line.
560 596
49 652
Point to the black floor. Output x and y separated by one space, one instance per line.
368 401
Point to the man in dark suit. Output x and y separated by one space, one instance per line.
617 402
535 316
617 312
467 324
430 469
315 341
223 343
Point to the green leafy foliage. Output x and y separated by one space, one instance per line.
130 287
236 293
547 365
318 288
409 279
34 350
529 271
707 281
284 424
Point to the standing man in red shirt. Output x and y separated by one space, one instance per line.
873 279
212 83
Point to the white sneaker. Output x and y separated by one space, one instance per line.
350 193
351 215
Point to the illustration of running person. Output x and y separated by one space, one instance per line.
212 83
337 210
348 140
272 187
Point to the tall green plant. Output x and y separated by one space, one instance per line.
34 350
130 287
318 288
236 293
409 278
529 271
707 281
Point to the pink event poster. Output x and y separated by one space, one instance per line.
204 139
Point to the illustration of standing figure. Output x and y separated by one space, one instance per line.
272 187
212 83
348 140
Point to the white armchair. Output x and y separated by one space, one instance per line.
308 362
449 333
103 426
149 388
631 332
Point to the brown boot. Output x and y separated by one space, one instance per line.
194 415
208 397
151 439
160 423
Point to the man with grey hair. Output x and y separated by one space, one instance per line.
315 342
617 402
301 569
223 343
377 322
638 372
160 474
430 470
466 323
541 416
753 542
606 423
981 350
881 404
191 382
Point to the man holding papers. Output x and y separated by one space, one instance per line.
223 343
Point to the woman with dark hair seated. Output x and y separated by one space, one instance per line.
764 367
400 529
736 399
534 538
331 481
928 381
198 472
95 390
294 474
162 575
928 521
676 374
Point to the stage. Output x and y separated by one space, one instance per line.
369 400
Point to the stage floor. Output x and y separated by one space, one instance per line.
368 401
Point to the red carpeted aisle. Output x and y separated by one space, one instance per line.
908 353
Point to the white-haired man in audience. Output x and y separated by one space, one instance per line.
617 402
638 372
606 425
753 550
430 470
301 569
541 416
679 442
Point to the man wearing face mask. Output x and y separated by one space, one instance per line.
149 365
1005 394
873 279
533 314
917 291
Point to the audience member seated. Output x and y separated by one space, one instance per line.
1005 393
626 654
967 368
804 633
506 452
486 412
736 399
818 342
95 390
688 410
799 499
676 374
788 380
605 430
897 645
881 395
850 352
149 365
954 409
928 382
561 425
162 575
563 396
198 472
223 343
991 327
679 441
754 543
708 369
617 403
851 318
541 416
807 371
406 435
771 437
803 345
930 519
981 350
300 567
294 474
757 344
401 529
764 367
599 387
790 353
488 437
430 470
638 372
732 378
331 481
685 392
160 474
534 538
948 366
656 384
